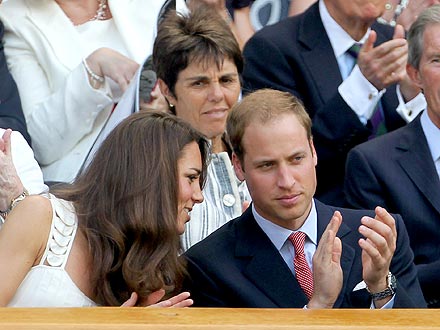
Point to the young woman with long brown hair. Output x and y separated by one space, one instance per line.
113 236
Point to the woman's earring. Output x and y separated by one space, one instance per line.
171 107
388 6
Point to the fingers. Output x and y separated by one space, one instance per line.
326 246
369 43
380 237
399 32
155 297
179 301
131 302
386 218
110 63
7 141
385 64
327 271
337 251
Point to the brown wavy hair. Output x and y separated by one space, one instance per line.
126 202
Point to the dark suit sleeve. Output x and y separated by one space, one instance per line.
361 186
202 287
409 293
11 113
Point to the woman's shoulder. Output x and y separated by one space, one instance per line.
33 210
30 221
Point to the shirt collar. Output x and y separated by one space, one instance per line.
432 134
278 235
340 40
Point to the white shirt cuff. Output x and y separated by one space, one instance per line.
360 95
408 111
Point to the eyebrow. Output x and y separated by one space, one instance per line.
197 170
271 160
206 77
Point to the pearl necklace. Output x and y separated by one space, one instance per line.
101 12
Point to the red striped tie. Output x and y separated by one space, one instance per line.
304 275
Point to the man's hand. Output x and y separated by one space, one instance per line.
327 271
385 64
378 248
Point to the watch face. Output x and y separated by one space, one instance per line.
392 283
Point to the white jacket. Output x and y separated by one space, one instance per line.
64 114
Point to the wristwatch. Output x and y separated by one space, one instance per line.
14 202
389 291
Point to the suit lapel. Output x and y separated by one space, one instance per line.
266 268
318 55
416 161
325 213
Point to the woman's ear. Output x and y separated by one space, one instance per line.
166 92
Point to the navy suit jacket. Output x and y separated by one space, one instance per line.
238 266
295 55
397 172
11 113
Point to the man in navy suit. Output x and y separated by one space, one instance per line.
308 56
349 258
11 114
400 170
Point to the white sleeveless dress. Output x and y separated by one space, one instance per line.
48 284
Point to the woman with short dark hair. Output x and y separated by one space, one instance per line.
198 64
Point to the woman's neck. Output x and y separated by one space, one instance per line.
218 145
83 11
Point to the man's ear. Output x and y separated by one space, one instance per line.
166 91
314 154
414 74
238 167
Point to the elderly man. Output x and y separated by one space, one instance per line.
313 56
400 171
288 249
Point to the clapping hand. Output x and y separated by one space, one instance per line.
385 64
378 246
327 271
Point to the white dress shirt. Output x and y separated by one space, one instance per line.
279 237
432 133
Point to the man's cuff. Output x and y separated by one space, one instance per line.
408 111
360 95
388 305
